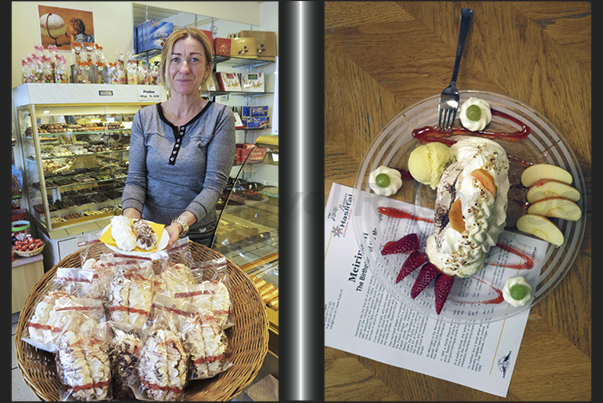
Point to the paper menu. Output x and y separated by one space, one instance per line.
362 318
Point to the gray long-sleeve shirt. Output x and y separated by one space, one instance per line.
175 170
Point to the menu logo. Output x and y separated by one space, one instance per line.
341 214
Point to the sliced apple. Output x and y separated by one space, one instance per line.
537 172
545 188
541 227
486 180
558 207
455 216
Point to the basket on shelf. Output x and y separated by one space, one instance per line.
29 253
248 338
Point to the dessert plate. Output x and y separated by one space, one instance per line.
477 298
163 241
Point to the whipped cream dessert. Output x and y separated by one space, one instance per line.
122 233
146 238
482 214
475 114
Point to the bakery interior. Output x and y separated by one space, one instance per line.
70 142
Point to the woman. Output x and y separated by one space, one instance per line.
181 150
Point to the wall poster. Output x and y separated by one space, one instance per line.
62 26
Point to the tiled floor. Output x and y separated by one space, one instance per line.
20 391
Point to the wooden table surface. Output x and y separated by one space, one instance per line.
382 57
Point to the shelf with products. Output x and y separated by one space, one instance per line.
73 149
260 93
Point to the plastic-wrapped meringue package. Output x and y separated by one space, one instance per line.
161 373
130 292
124 353
81 356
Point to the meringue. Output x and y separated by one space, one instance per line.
521 282
477 119
122 233
385 181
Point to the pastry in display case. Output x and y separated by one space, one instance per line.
73 150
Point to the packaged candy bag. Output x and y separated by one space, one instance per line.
154 74
132 69
100 72
120 69
27 70
143 74
60 72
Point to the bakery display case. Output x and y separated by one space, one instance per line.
73 142
247 231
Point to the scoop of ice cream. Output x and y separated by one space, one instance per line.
475 114
426 163
122 233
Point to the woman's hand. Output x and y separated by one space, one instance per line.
173 231
132 213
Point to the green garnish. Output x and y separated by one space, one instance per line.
518 291
382 180
474 113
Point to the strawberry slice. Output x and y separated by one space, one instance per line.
427 274
441 289
415 260
407 243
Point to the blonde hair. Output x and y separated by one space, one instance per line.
166 53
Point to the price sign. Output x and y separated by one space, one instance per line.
148 94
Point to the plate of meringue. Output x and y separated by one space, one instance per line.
134 237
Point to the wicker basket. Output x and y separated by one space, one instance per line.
30 253
248 338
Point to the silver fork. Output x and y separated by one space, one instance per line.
449 99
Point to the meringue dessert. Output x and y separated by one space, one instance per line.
475 114
517 291
385 181
123 233
146 238
470 208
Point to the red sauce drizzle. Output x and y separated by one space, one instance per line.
397 213
526 265
429 134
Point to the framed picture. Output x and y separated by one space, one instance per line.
61 26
